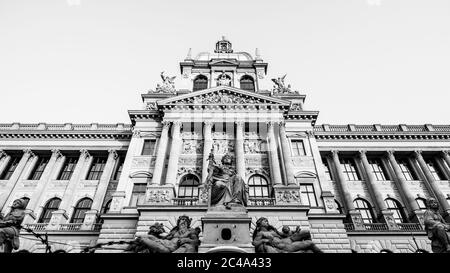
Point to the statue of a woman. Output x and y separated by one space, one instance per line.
227 188
267 239
10 226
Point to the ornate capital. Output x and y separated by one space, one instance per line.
29 152
177 123
2 154
208 123
417 154
57 153
444 153
84 153
335 153
282 124
137 133
362 153
310 133
113 153
165 124
239 123
390 153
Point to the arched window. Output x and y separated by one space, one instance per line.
247 83
395 206
79 212
107 206
200 83
422 203
188 186
258 187
365 209
51 206
339 207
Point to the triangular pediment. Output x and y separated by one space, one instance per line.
218 62
223 95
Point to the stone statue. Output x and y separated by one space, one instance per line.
267 239
223 79
227 188
280 86
436 228
10 226
167 86
181 239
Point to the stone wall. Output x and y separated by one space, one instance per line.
329 234
398 243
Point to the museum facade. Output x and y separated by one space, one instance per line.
355 187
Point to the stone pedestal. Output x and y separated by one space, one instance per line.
226 230
57 218
356 219
159 194
388 218
287 195
89 220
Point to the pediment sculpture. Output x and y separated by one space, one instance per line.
221 97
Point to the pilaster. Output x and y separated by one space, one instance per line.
286 151
207 145
175 151
161 153
273 155
239 149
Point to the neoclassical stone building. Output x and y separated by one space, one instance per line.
355 187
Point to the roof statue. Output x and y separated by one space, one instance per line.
280 86
167 86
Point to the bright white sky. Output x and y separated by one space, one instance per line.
358 61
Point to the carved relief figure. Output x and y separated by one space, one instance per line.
224 79
167 86
10 226
181 239
267 239
227 188
436 228
280 86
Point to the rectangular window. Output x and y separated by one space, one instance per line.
149 147
97 167
349 169
10 168
119 168
298 149
406 170
435 171
377 169
308 194
39 168
138 194
68 168
326 168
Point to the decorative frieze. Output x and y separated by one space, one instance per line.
160 194
143 162
223 146
287 195
256 160
190 160
189 170
255 146
192 146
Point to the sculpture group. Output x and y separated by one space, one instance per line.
10 226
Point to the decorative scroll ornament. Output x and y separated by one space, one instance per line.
151 106
192 146
167 86
288 196
254 146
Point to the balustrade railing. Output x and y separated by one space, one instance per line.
37 226
261 201
97 227
376 226
70 227
410 227
349 226
185 201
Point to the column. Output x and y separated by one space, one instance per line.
432 182
384 214
207 145
175 151
403 187
66 202
286 154
27 154
445 156
91 216
161 153
353 215
239 149
273 154
342 182
42 185
4 160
